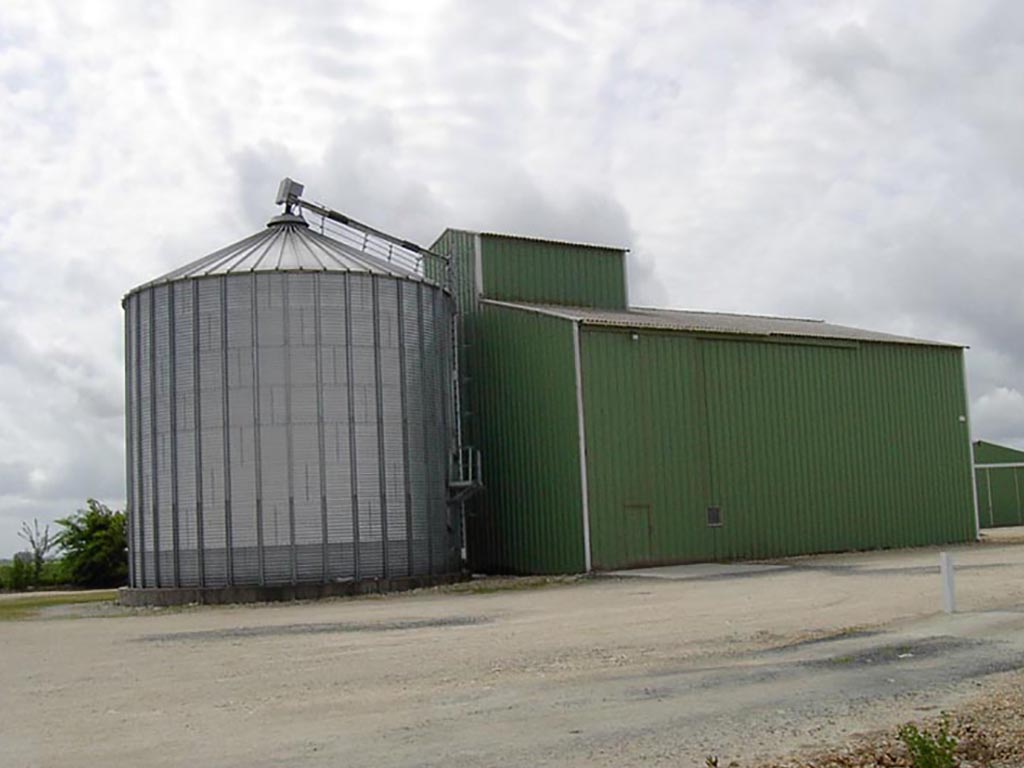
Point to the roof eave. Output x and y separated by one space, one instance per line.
652 324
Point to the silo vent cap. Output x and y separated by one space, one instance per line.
287 218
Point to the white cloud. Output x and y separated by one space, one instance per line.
1000 410
860 161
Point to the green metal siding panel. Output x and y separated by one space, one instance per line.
460 247
990 453
516 269
647 472
824 449
1000 495
805 448
517 381
529 517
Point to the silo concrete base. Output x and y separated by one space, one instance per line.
167 596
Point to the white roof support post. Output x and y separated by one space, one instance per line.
970 450
582 432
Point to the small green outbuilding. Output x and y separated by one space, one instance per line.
999 472
614 436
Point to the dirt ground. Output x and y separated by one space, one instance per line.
742 663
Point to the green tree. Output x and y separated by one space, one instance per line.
95 546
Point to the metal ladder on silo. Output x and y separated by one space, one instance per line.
465 476
464 471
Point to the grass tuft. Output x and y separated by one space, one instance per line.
28 605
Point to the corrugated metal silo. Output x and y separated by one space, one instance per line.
288 419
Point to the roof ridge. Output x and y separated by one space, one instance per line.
729 314
534 239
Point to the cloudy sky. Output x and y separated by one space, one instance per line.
861 162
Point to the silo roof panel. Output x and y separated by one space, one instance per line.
286 245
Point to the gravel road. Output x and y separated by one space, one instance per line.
607 672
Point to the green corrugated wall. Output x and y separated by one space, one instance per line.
647 455
1000 489
518 394
538 271
519 269
991 453
804 447
458 246
1000 496
529 517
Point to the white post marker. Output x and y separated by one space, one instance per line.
946 569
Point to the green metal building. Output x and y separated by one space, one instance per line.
999 473
614 436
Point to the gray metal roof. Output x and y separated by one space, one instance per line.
715 322
286 245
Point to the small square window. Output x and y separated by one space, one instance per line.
714 517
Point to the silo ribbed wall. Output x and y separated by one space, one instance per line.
288 427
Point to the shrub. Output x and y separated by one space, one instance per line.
95 546
53 574
928 750
19 575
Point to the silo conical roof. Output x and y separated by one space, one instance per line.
287 244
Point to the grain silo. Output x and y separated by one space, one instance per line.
289 422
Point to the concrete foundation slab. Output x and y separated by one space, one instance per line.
167 596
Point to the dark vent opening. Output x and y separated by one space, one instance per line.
714 517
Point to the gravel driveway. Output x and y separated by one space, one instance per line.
608 672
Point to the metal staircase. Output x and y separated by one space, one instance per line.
464 475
